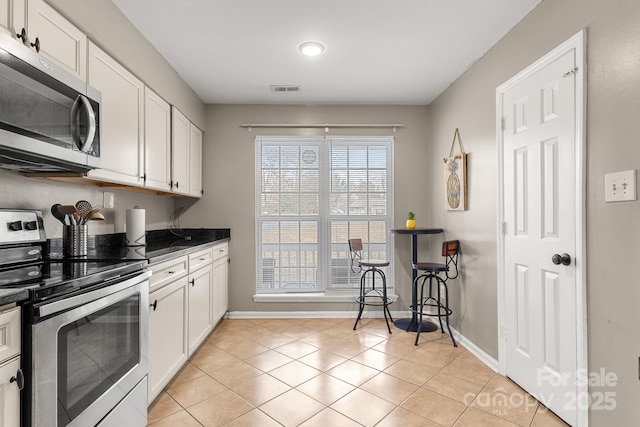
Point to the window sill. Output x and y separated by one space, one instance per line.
310 297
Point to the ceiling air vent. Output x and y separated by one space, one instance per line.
285 88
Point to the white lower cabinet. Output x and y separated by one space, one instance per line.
187 297
200 313
168 309
220 280
199 307
11 379
9 393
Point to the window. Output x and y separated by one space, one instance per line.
312 195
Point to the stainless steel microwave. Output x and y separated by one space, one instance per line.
49 118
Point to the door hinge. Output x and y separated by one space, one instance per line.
502 123
570 72
503 332
504 228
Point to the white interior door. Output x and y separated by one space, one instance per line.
541 181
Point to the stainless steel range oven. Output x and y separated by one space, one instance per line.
85 331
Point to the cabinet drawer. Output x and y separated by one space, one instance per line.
199 259
166 272
220 251
10 341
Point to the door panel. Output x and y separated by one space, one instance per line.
539 211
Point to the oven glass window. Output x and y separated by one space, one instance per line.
94 352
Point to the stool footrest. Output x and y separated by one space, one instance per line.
374 300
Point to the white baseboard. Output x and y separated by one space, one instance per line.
377 314
474 349
460 339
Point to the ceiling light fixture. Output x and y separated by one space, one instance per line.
311 48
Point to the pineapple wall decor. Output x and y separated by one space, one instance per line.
455 177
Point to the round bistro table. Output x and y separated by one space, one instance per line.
411 324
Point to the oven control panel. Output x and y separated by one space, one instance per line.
21 226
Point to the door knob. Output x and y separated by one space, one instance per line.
563 259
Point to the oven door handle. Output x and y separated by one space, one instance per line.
78 300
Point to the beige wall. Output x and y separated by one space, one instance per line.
229 170
613 234
19 192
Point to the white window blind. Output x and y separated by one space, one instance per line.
312 195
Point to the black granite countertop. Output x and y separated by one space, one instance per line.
11 295
161 245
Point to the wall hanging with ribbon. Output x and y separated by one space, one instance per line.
455 177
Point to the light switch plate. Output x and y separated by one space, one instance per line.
108 200
620 186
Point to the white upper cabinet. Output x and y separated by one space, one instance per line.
157 142
122 109
13 17
186 155
180 134
57 39
195 161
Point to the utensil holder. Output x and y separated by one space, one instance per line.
74 240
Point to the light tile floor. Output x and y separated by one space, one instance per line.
320 372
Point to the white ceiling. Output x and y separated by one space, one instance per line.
377 51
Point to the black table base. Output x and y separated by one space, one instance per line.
404 324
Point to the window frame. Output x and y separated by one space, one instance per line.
325 218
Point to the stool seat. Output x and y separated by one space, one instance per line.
429 266
374 263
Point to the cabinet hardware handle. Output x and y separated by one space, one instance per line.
170 184
18 379
36 45
202 258
171 272
22 35
144 178
202 192
193 282
177 184
154 305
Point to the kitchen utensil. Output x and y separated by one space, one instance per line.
67 221
96 216
88 216
84 208
56 213
67 209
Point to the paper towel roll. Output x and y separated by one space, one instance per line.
135 225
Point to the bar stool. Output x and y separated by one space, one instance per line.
370 295
430 305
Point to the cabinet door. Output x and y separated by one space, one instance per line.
121 134
13 17
168 349
9 394
60 41
200 314
179 151
220 288
195 161
10 334
157 141
6 26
